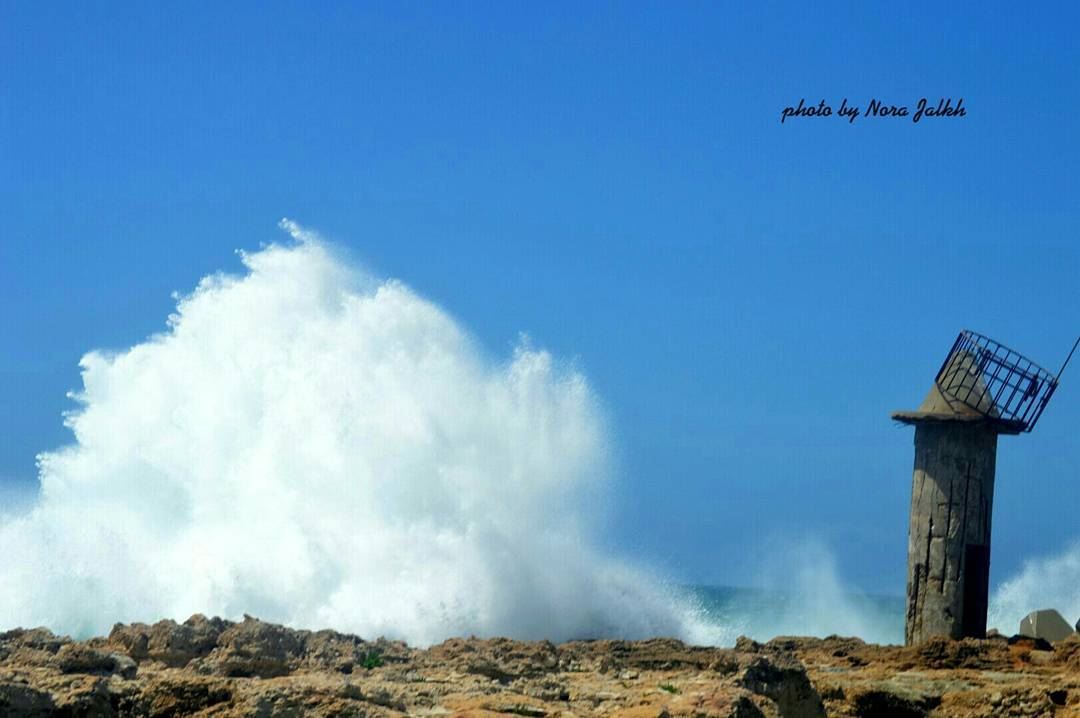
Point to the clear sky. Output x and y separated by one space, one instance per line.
750 299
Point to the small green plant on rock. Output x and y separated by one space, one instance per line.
371 659
669 688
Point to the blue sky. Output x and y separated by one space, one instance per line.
749 299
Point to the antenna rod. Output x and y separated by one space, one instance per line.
1075 344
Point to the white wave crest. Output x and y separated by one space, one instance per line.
314 446
1045 582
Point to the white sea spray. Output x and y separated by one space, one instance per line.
316 446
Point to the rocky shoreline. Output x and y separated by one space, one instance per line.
212 667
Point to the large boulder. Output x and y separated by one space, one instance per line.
1046 624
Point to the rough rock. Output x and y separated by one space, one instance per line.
254 649
783 679
18 699
211 667
81 658
174 644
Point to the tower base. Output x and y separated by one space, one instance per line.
952 494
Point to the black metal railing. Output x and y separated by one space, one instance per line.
995 381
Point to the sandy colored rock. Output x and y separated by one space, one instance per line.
210 667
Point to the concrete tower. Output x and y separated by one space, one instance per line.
981 391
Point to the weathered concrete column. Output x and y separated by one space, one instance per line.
952 496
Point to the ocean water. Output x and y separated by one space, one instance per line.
761 614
